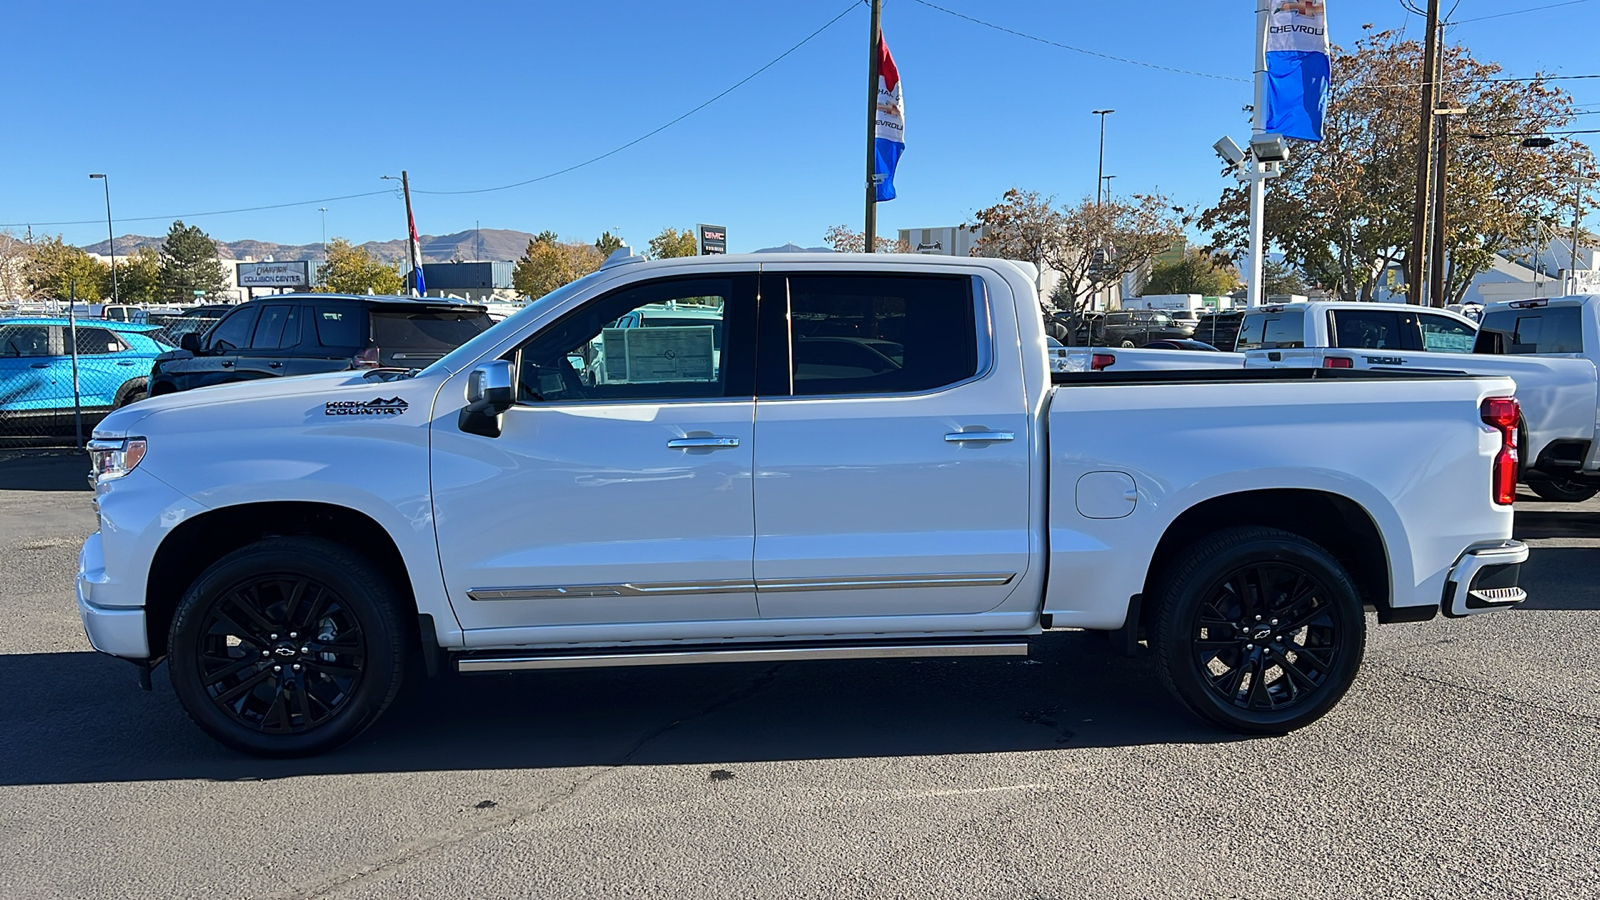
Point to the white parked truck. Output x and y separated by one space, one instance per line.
1549 346
870 457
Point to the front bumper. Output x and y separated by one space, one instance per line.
1485 579
119 631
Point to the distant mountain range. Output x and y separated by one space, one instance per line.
497 244
484 244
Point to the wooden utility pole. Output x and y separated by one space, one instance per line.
1419 228
870 235
1436 266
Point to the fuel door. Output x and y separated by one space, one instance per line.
1106 495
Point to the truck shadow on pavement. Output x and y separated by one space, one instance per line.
1535 524
43 470
80 718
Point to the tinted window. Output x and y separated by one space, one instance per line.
1543 330
880 334
1442 334
1272 330
279 327
1367 329
339 327
658 341
233 332
25 340
93 341
442 331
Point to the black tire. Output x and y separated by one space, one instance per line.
1246 660
132 392
1562 490
339 661
1127 345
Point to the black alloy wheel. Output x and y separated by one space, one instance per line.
281 653
1260 630
287 647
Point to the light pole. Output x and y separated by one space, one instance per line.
111 234
324 211
1106 180
1100 171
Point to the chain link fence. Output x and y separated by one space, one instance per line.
60 374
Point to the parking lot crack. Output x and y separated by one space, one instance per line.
1567 714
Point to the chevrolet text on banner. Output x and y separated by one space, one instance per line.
1297 68
889 138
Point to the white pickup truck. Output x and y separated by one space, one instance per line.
860 456
1549 346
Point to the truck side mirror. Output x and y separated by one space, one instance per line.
489 393
189 341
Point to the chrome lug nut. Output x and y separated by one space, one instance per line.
266 653
1258 618
277 668
275 637
305 649
1249 646
293 635
296 667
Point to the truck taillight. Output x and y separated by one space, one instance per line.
1502 414
1102 361
1338 362
366 359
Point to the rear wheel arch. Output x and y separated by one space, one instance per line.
132 390
1337 524
198 542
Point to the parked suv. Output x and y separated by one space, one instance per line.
1126 328
38 371
302 334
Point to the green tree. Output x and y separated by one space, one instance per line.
138 277
547 237
672 243
608 243
844 239
1092 245
58 271
1281 279
189 264
349 269
548 264
1342 210
1197 272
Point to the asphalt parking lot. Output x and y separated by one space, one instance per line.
1462 764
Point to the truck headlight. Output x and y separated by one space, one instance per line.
113 458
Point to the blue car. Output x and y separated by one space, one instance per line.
114 360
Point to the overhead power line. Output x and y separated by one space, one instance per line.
649 134
1517 12
1084 51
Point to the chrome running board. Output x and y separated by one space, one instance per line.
732 653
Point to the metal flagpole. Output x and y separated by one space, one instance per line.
1258 181
870 235
72 327
1420 209
414 256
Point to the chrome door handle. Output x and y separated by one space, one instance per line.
701 443
274 365
980 437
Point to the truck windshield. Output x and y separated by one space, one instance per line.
1527 331
1272 330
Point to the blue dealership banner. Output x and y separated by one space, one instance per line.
1297 68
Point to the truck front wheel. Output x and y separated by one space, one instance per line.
287 647
1259 630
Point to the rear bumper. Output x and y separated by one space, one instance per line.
1485 579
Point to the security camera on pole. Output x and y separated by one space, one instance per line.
1291 95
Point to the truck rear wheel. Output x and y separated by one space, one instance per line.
287 647
1259 630
1561 490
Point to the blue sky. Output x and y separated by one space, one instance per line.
196 107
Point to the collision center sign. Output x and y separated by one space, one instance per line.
275 274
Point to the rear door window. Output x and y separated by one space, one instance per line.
1528 331
1367 329
1272 330
98 341
407 338
1442 334
25 340
279 327
876 334
339 327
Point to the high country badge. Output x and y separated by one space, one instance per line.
394 406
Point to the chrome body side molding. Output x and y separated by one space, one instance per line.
527 661
656 589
